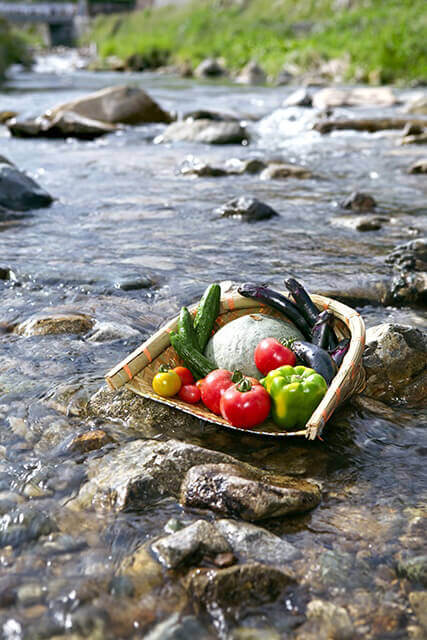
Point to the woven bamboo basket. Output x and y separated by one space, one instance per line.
136 372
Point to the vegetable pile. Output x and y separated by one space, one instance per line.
297 372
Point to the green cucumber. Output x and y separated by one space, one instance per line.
207 313
186 328
193 359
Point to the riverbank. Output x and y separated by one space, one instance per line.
378 43
12 48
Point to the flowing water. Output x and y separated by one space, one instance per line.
123 211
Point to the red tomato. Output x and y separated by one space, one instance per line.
185 375
245 408
213 386
270 354
189 393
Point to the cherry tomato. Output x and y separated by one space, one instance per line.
270 354
166 383
245 405
189 393
185 375
213 386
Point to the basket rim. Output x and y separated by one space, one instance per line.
347 380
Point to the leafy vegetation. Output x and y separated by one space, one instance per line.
382 40
12 48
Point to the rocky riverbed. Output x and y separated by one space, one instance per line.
120 518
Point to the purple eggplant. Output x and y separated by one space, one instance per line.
316 358
322 332
340 350
302 300
277 301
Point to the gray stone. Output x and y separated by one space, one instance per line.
277 171
210 68
189 544
328 620
134 283
247 209
252 74
19 192
420 166
203 170
411 256
360 223
414 569
65 124
248 584
24 524
122 104
299 98
244 493
204 131
253 543
42 324
409 288
360 96
141 472
418 600
177 628
358 201
395 361
208 114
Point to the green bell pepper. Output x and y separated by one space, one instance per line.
295 393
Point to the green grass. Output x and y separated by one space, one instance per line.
386 37
12 48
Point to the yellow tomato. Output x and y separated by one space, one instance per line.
166 383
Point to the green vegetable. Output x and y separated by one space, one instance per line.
295 393
207 313
193 359
186 328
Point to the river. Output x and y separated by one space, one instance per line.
123 210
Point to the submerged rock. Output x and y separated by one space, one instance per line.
18 191
247 208
42 324
210 68
414 569
252 74
358 201
90 441
395 361
205 131
24 524
418 601
190 544
121 104
326 620
420 166
234 491
241 585
179 628
276 171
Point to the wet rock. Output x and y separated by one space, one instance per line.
24 524
140 473
42 324
64 124
252 74
370 125
414 569
19 192
146 574
177 628
358 97
420 166
249 633
190 544
203 170
251 166
413 129
204 131
110 331
4 160
358 201
90 441
326 620
395 361
360 223
253 543
121 104
241 585
247 209
29 594
208 114
6 273
418 601
210 68
417 105
411 256
299 98
7 115
234 491
420 138
122 586
279 171
409 288
134 283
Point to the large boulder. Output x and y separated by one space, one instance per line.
395 361
358 97
63 124
206 131
122 104
234 491
19 192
